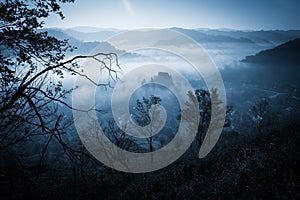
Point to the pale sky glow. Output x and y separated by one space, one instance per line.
128 7
132 14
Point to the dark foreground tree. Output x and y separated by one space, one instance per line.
31 64
203 98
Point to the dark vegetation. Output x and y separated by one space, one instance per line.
284 54
42 157
257 167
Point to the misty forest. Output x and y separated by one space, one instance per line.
43 157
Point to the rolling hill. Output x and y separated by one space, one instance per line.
286 54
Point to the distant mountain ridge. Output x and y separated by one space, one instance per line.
224 46
262 37
285 54
90 29
203 37
83 47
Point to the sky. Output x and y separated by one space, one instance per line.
133 14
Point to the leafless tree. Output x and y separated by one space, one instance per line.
262 114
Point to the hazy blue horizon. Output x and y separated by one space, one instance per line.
90 29
192 14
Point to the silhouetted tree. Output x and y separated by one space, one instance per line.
262 114
28 55
141 114
203 98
